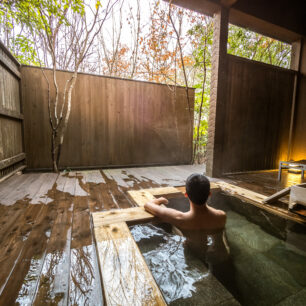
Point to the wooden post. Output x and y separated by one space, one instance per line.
296 141
217 94
294 65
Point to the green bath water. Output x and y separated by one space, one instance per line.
266 263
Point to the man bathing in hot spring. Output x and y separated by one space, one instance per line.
200 217
203 226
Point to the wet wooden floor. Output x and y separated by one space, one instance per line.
47 251
265 182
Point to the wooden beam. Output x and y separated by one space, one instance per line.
134 214
238 191
218 95
240 18
295 64
261 26
228 3
8 63
10 114
126 278
11 161
205 7
277 195
9 54
258 199
2 179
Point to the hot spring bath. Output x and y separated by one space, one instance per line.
266 263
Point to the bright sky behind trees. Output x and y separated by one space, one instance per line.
137 41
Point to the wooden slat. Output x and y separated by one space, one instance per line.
135 214
2 179
13 240
23 280
11 138
84 283
141 197
277 195
125 275
11 161
98 199
54 279
236 190
12 185
257 199
118 196
10 114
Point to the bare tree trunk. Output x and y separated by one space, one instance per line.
136 35
196 145
53 151
63 123
183 67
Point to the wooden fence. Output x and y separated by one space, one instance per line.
258 111
11 119
113 122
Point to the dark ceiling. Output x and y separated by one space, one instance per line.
289 14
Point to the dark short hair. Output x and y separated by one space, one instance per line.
197 188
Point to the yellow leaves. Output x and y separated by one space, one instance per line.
98 4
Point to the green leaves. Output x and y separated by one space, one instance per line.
36 21
248 44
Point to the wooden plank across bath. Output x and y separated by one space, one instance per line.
258 200
141 196
238 191
126 278
136 214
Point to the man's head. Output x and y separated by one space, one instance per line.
197 188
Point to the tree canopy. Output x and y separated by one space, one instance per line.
138 40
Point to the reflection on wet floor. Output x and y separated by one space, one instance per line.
47 251
46 240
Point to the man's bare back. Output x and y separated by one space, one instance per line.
198 218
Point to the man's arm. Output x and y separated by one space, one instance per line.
168 215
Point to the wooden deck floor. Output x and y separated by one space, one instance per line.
47 253
265 182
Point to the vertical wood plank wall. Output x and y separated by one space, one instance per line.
298 150
258 108
11 143
113 122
